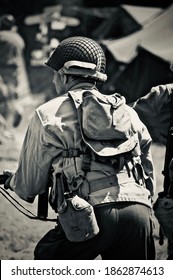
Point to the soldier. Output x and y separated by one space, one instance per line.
119 188
155 110
12 67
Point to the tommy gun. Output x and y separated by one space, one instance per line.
42 207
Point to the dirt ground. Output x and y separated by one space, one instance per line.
19 234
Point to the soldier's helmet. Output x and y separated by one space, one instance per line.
80 56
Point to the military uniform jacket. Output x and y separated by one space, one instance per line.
53 128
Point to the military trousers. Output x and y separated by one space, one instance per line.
126 233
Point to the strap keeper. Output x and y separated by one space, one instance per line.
69 153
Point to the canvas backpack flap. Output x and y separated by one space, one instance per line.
105 117
105 122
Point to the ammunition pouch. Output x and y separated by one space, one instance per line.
163 210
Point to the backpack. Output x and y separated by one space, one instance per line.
105 122
108 133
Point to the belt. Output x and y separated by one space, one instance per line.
110 181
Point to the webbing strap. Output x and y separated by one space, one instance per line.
86 163
110 181
69 153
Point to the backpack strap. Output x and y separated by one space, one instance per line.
69 153
86 163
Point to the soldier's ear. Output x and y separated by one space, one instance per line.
63 77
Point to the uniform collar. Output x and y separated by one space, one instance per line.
84 85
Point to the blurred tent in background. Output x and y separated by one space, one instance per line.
44 23
149 3
142 14
44 31
141 60
90 18
124 21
